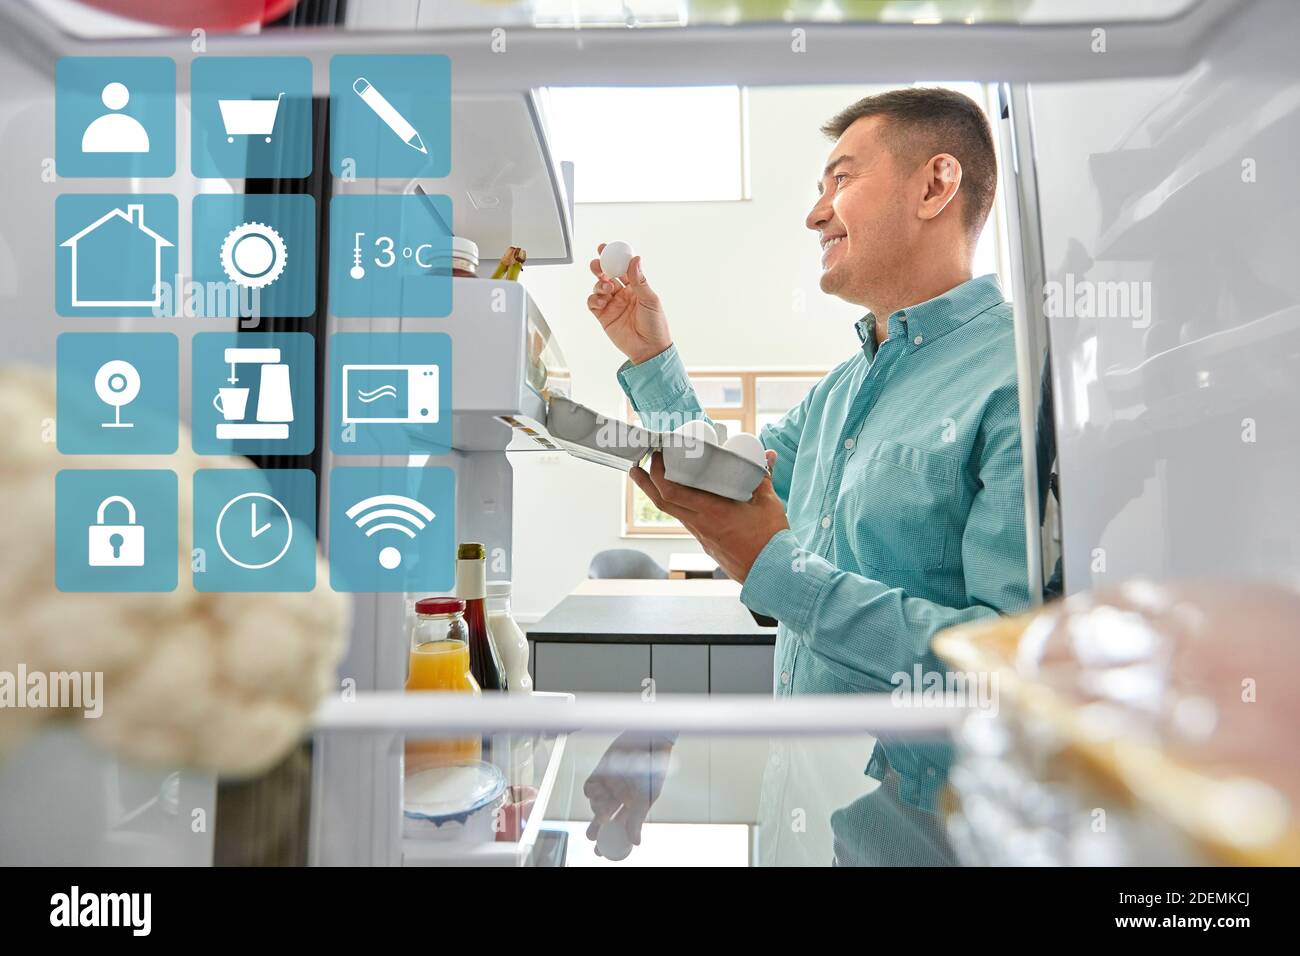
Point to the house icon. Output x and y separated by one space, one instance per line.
117 261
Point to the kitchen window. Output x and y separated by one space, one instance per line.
691 142
741 401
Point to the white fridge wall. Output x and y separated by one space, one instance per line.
1179 442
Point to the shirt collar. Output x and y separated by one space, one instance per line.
934 318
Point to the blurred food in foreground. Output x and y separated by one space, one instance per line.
219 682
1151 723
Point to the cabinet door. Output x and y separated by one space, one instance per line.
740 668
680 668
591 668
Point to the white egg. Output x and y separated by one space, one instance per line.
613 842
615 258
699 430
743 443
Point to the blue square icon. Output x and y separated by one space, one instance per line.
115 116
259 249
390 116
250 116
390 256
254 530
392 529
117 393
115 531
390 393
115 255
253 393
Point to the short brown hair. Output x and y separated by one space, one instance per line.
925 121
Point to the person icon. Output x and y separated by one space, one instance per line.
115 132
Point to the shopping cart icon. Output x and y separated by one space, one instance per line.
249 117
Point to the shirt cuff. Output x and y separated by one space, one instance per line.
786 581
656 384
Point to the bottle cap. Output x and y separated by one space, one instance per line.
440 605
471 551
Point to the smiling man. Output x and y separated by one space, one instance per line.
895 504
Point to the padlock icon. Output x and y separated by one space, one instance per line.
116 545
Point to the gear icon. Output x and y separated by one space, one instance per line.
253 255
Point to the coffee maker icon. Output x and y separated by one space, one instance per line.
274 398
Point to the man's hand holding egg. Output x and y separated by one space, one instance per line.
627 308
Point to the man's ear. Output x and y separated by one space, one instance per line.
942 179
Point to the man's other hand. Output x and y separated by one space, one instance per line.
731 532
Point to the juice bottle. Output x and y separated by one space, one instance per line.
439 661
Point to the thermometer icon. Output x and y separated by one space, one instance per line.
385 110
358 271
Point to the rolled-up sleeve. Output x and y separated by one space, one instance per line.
660 391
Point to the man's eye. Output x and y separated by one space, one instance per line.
838 176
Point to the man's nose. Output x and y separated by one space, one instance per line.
820 214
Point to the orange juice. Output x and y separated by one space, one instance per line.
441 666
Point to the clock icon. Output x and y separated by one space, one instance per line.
254 525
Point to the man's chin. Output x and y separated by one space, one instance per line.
832 281
835 281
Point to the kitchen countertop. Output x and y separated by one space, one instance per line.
704 611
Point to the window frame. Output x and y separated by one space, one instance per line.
747 412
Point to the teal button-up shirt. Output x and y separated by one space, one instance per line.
902 479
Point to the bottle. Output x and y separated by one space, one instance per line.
512 645
471 587
508 636
439 661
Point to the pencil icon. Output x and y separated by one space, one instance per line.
388 113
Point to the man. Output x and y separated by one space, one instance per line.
895 504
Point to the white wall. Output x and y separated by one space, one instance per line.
730 274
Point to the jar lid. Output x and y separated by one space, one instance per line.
440 605
498 589
466 247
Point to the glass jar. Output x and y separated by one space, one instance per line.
459 259
464 257
439 661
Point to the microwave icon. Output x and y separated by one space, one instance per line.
390 394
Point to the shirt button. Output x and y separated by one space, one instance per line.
826 521
785 677
918 340
848 444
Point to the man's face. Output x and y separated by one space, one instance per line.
860 214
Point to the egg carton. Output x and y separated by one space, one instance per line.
694 462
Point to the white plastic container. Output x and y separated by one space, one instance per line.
453 803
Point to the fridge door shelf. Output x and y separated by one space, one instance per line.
417 852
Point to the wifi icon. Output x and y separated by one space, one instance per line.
390 513
384 538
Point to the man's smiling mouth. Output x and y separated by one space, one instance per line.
828 244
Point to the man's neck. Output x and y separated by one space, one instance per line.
915 292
